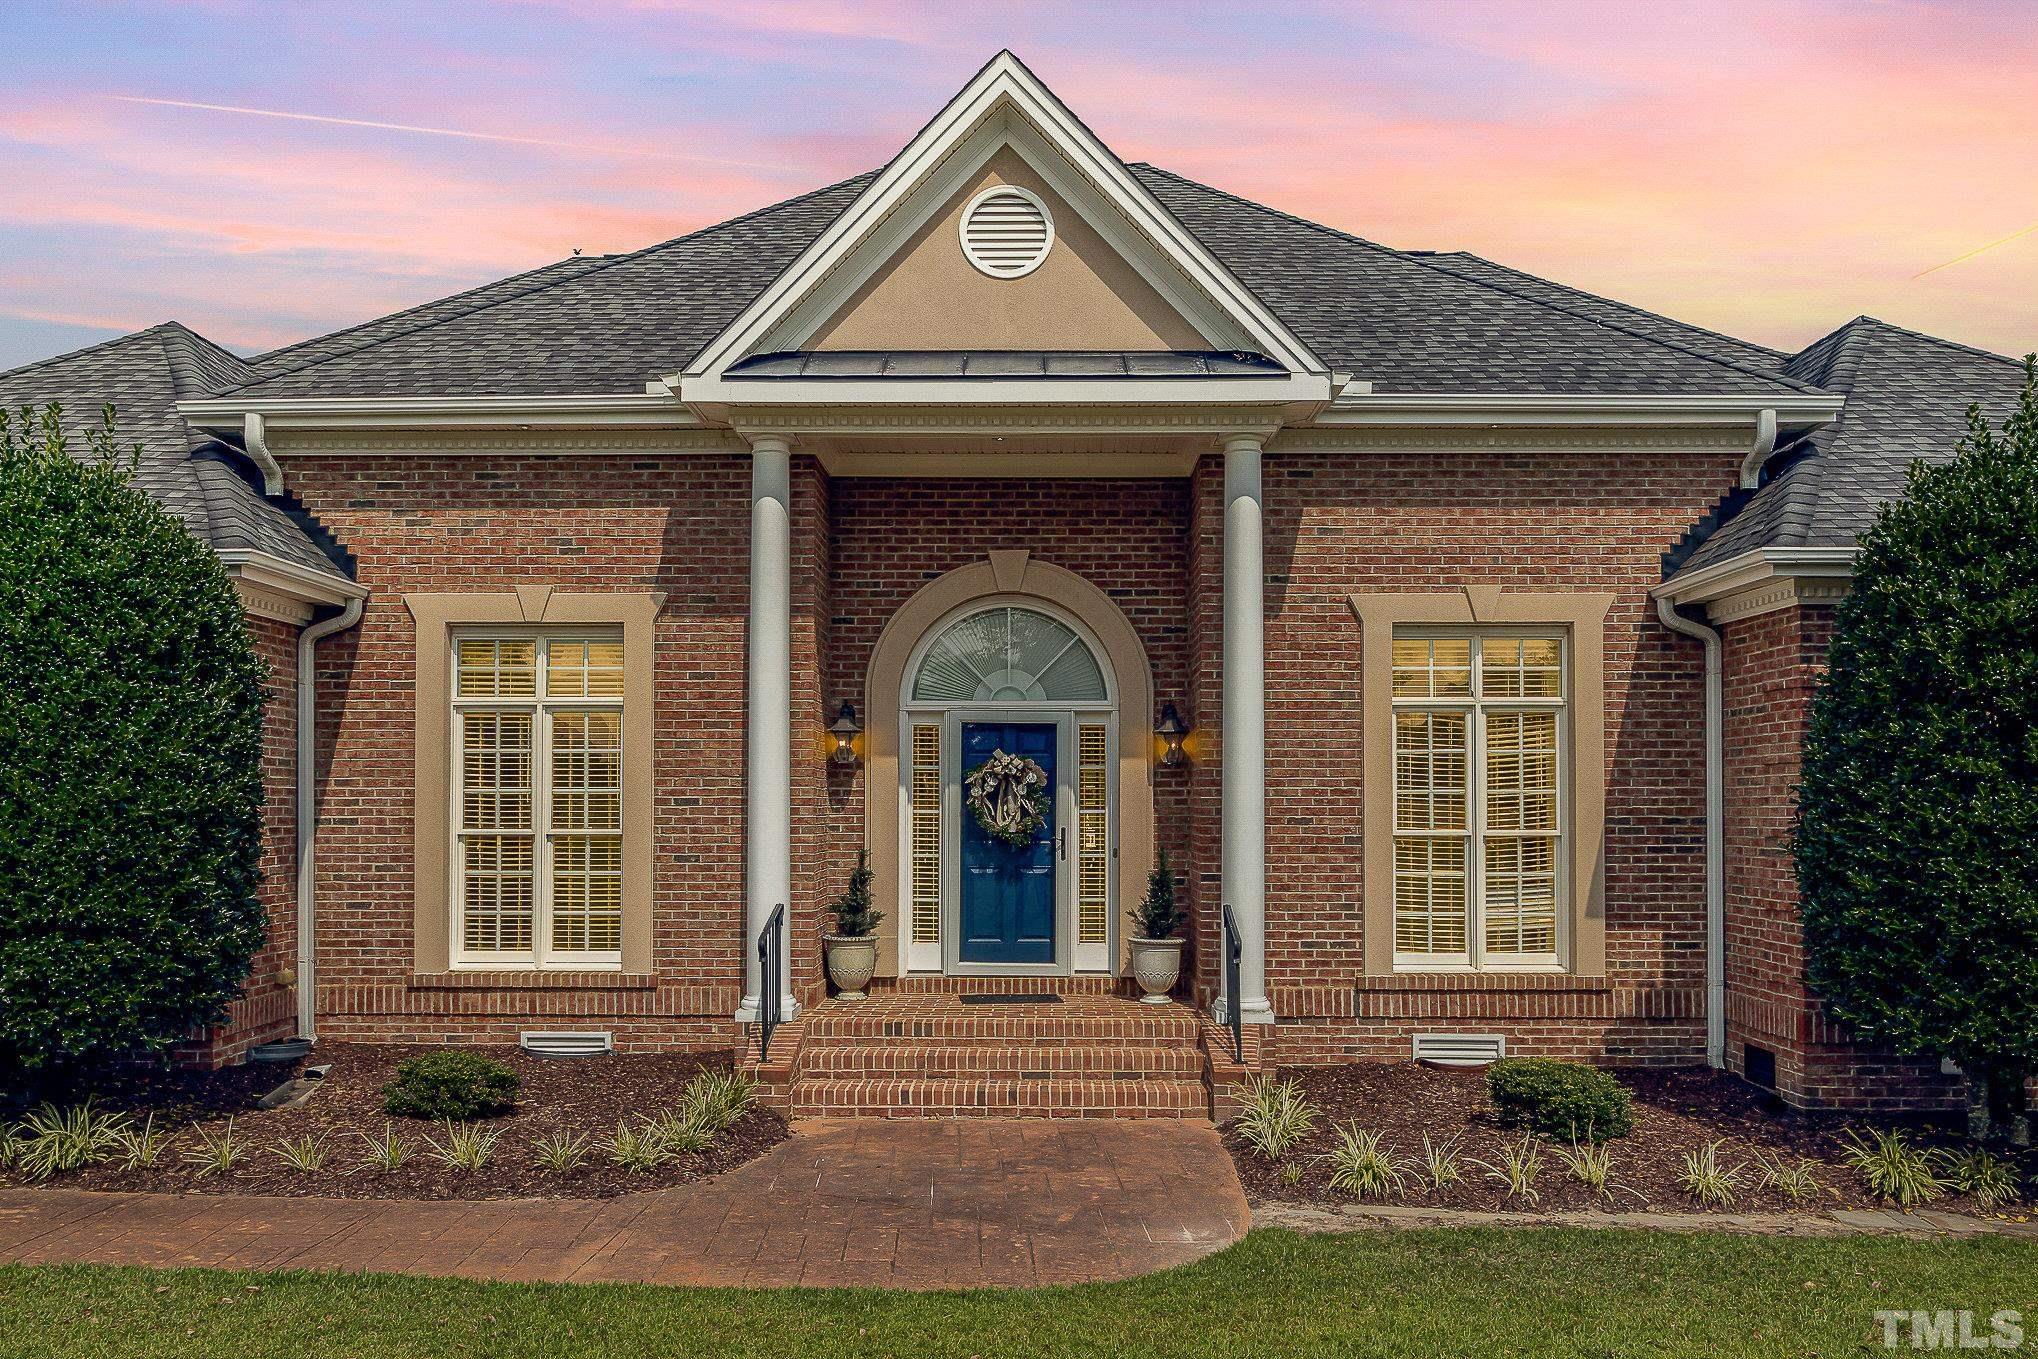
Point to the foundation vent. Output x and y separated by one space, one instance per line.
1460 1049
567 1043
1006 232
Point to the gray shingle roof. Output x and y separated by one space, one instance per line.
1907 399
610 327
1406 322
144 375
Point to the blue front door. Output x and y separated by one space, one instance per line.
1008 891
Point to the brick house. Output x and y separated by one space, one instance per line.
614 605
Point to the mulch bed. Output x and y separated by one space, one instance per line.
1675 1111
580 1095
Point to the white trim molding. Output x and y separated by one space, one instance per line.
657 409
1763 580
275 587
1793 411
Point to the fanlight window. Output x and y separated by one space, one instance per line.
1008 655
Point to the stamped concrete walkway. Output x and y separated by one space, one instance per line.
893 1204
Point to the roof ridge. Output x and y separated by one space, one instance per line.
405 311
1423 263
1611 301
602 263
1939 340
94 348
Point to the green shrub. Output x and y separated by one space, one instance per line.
1562 1099
855 917
450 1085
1158 916
130 761
1917 843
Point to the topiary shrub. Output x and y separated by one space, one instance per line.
1917 843
1563 1099
130 761
455 1085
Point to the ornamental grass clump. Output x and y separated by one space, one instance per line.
1360 1166
637 1148
1440 1168
562 1153
1561 1099
719 1098
466 1148
451 1086
1796 1180
1983 1176
1276 1117
1519 1167
304 1154
1891 1167
53 1141
142 1148
218 1152
1590 1164
1706 1179
387 1152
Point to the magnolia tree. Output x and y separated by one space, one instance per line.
1917 846
130 761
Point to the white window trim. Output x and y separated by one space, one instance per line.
542 704
1476 706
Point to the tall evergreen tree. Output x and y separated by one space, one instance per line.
130 761
1917 844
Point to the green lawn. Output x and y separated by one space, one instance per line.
1478 1291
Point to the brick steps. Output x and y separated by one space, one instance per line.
1010 1061
971 1097
924 1054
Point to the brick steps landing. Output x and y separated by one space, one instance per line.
924 1054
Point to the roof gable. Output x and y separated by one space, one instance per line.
1004 115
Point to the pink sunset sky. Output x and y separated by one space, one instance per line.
1766 169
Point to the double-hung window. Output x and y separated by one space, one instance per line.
538 803
1478 798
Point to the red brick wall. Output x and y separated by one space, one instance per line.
612 522
1586 520
267 1007
1771 666
1129 538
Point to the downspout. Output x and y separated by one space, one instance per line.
255 442
307 804
1715 828
1760 452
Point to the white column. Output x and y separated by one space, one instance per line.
767 770
1243 757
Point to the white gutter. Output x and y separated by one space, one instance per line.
1613 408
1763 449
1715 830
412 412
307 807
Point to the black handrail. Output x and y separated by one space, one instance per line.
1234 950
770 1002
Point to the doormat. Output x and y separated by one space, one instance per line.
1013 998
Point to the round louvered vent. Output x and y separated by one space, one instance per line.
1006 231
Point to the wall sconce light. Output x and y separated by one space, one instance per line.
844 729
1171 729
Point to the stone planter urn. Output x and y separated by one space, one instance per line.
852 958
1156 964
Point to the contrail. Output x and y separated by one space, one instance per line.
1982 250
447 132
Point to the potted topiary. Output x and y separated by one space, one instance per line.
1156 953
852 949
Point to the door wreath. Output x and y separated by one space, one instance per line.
1008 796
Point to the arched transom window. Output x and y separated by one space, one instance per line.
1008 654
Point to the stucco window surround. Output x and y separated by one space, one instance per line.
1581 616
439 618
1010 576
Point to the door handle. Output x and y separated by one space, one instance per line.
1061 840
